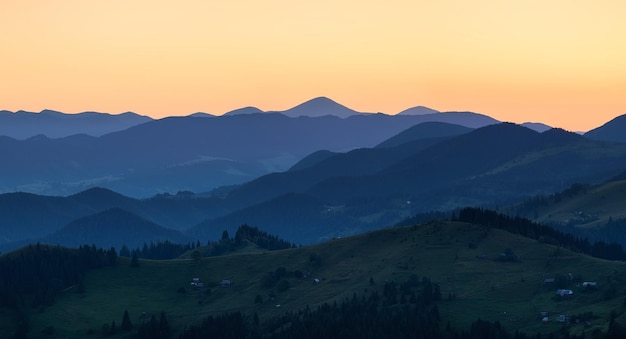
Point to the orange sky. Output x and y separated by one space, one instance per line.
561 62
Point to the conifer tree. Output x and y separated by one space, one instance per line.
134 261
126 324
164 326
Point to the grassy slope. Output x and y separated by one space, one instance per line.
598 203
509 292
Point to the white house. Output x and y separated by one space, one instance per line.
564 293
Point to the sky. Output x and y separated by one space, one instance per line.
560 62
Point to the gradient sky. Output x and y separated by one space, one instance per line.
561 62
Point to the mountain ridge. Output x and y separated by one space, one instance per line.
192 153
22 125
613 130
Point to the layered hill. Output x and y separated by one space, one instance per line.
29 218
490 166
111 226
52 124
613 130
429 167
193 153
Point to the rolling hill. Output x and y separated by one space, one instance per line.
594 211
472 283
28 218
109 227
366 189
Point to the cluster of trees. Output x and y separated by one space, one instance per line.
161 250
164 250
245 234
154 329
261 238
402 310
150 327
533 230
36 273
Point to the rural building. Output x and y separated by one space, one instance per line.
590 284
564 293
226 283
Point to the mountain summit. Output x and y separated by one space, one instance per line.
611 131
320 106
418 110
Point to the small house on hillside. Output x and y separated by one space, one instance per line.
226 283
564 293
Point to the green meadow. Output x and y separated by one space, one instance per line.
457 256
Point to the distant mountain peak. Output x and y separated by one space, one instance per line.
537 126
418 110
320 106
201 115
244 110
50 112
321 100
96 191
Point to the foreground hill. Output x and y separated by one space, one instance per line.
460 258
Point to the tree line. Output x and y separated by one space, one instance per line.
164 250
36 273
403 310
533 230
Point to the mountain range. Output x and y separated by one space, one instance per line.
53 124
426 167
198 153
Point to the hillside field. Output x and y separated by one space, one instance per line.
457 256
